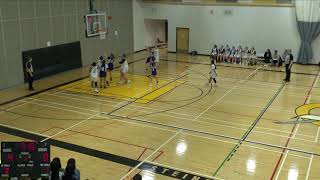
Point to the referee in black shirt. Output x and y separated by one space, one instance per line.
29 71
288 64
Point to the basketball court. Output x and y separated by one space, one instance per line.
181 128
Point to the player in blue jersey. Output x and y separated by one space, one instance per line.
103 74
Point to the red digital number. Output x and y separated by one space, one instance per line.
10 157
45 157
25 158
6 170
31 147
46 170
23 147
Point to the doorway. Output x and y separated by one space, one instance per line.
182 41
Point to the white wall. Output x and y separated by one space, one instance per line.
138 25
154 29
262 27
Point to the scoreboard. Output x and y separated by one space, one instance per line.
25 159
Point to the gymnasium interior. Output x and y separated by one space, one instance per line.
159 89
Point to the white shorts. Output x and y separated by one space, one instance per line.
213 75
157 59
94 79
253 57
124 70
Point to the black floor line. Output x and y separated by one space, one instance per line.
162 170
53 87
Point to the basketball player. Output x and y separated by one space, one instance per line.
147 64
245 53
238 55
103 74
110 65
226 54
99 62
213 73
124 69
233 55
275 58
154 73
221 52
94 77
253 56
214 53
157 55
29 70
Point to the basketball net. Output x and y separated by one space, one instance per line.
102 32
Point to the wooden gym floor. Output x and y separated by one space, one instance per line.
183 128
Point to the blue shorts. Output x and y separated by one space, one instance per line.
110 66
103 74
154 73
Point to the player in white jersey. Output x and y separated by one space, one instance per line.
99 62
275 58
94 77
238 55
124 69
226 55
253 56
233 55
245 56
157 55
220 53
214 53
213 73
154 73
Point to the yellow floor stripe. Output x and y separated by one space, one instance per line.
138 90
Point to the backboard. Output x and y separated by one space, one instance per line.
96 24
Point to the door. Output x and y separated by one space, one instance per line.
182 40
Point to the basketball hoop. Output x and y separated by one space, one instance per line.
102 31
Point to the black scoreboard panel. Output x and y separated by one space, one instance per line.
25 159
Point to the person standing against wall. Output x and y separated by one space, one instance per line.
29 70
288 64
